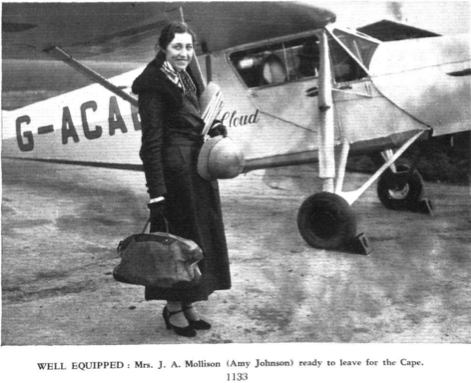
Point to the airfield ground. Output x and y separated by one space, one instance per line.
61 226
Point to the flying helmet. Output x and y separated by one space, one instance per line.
220 158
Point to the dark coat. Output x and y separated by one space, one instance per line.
171 141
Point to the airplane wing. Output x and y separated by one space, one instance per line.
114 38
125 31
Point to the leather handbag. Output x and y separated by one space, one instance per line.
158 260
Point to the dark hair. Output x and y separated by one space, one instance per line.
169 31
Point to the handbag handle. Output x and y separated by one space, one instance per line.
145 226
148 222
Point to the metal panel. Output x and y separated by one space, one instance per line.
419 76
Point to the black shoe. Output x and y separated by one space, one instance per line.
187 331
197 324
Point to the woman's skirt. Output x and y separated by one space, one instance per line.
193 210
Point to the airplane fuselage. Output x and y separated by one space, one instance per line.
270 102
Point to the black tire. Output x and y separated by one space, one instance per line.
402 190
326 221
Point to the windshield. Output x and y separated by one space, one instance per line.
361 47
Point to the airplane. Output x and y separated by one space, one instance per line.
298 88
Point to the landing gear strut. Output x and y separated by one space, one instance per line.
326 220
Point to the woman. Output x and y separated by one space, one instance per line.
171 140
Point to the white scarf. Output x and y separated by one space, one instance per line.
181 79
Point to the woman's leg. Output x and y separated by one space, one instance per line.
194 317
190 311
175 319
177 315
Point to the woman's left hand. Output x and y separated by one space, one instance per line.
218 129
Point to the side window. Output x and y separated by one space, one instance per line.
278 63
345 67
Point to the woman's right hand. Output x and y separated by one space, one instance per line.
157 209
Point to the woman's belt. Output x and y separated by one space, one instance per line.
177 140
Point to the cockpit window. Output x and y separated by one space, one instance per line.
344 66
347 51
278 63
362 48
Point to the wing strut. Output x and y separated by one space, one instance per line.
352 196
91 74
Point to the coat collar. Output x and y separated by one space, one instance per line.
153 79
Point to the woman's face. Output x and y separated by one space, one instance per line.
180 51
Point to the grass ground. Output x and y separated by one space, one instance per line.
443 159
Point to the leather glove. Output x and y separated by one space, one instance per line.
157 210
218 129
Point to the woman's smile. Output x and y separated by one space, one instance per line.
180 51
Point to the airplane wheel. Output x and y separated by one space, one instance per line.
326 221
402 190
